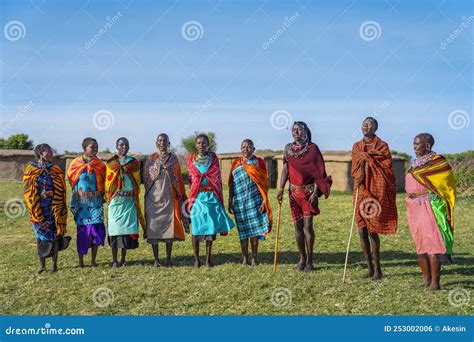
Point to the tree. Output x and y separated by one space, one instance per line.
188 142
17 141
401 154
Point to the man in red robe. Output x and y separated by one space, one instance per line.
303 166
374 181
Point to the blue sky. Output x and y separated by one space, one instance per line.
411 69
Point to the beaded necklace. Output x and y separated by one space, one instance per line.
422 160
298 150
202 160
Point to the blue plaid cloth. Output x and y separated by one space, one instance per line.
247 200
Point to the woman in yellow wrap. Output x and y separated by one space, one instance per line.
431 197
45 196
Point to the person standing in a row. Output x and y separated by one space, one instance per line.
376 190
303 166
431 197
86 175
122 190
165 199
45 197
206 203
248 199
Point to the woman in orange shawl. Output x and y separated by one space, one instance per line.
122 189
45 196
86 174
248 199
374 179
165 197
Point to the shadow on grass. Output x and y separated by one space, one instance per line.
389 259
466 284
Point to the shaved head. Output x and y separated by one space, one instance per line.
426 138
373 120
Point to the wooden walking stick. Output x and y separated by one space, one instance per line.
350 236
276 240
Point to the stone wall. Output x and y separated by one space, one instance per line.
13 163
338 165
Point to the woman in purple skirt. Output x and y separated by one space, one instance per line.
86 175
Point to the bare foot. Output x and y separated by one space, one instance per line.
123 264
377 275
209 264
245 261
426 283
197 264
254 262
114 265
157 263
299 266
433 287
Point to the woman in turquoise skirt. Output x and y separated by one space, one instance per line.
207 213
122 187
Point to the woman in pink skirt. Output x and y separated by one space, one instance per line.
431 196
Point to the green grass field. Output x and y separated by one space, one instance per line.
232 289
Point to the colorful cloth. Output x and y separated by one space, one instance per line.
373 175
87 202
44 190
437 175
122 189
431 197
79 165
306 169
250 182
212 174
165 199
208 216
89 235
